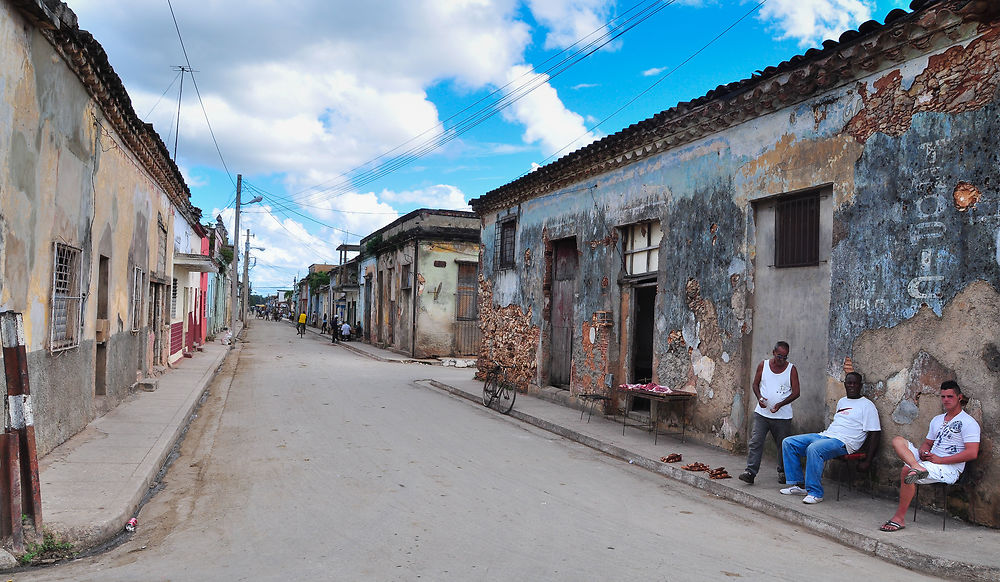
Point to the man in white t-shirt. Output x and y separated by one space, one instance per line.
776 385
855 419
952 440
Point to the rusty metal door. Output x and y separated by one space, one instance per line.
564 267
467 334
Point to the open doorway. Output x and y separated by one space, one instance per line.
103 329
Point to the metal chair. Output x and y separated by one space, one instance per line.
944 502
857 457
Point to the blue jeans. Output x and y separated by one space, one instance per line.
817 450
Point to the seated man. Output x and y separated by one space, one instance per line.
952 439
345 332
855 418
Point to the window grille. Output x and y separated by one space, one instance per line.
67 299
173 300
796 231
504 245
136 299
161 256
642 247
468 308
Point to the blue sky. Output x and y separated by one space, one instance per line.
302 94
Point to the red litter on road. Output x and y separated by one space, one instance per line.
130 526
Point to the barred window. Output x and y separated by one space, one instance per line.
503 251
642 247
796 231
405 280
161 255
137 299
67 299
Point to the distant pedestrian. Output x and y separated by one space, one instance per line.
325 325
333 330
345 331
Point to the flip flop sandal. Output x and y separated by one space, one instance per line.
915 475
891 526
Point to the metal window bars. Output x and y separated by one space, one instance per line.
67 298
137 299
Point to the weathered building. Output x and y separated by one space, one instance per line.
419 284
89 204
845 201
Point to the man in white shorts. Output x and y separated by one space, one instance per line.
952 439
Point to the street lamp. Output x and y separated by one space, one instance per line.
246 269
236 257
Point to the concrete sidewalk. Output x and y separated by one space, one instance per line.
94 482
963 551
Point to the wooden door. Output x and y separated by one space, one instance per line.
564 270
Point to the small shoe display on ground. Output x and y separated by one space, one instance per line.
746 477
812 499
794 490
891 526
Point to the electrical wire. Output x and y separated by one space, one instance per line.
356 179
194 80
654 84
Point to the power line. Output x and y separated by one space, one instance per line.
654 84
194 80
356 179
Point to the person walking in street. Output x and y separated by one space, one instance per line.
333 330
856 418
952 440
301 326
326 325
776 386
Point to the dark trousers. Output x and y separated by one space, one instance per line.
779 429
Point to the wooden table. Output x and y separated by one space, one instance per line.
675 396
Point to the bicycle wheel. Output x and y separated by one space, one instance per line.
506 393
489 388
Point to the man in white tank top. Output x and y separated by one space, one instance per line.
776 385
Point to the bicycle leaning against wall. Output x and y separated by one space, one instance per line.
499 389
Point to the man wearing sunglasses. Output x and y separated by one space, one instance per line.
776 385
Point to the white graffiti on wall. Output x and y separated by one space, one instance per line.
928 229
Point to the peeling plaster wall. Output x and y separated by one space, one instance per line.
436 288
908 159
65 176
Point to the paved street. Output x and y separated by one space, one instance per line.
310 462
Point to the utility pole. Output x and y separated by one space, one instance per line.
236 259
246 275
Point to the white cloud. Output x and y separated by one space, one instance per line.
653 72
579 86
545 118
571 20
813 21
440 196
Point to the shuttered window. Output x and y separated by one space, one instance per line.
796 231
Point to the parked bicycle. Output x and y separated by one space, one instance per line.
499 389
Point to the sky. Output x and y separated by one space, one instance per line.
344 115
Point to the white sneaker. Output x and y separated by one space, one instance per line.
794 490
810 499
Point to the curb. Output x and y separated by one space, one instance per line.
139 485
892 553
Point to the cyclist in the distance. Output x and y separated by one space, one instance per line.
301 327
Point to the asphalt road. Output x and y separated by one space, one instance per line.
309 462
